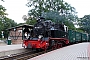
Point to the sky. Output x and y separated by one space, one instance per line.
81 6
17 8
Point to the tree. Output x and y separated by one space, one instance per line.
2 12
31 21
6 23
84 23
53 15
42 6
56 10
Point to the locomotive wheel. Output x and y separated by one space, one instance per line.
59 45
54 47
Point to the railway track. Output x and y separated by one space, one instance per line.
23 56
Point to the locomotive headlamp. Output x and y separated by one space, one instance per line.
40 36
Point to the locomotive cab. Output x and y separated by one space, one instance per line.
27 33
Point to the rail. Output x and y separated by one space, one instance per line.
23 56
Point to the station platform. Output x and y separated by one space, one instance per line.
11 49
80 51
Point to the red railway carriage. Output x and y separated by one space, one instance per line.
45 35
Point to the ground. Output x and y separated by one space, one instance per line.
2 43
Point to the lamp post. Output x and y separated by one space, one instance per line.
3 22
2 34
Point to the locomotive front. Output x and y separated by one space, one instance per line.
39 28
37 38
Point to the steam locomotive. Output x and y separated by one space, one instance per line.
46 34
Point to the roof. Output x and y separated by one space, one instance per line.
24 25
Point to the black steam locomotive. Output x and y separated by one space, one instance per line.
47 34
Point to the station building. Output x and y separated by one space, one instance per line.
16 34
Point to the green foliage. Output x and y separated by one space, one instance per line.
31 21
52 15
70 25
79 30
6 23
56 17
84 23
2 11
20 24
42 6
55 10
